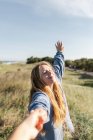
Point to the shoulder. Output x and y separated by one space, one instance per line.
40 95
40 100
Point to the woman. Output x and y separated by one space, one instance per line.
46 93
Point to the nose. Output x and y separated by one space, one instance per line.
50 72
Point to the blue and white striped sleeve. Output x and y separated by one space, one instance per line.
40 100
59 67
59 64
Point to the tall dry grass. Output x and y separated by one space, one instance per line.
14 98
80 99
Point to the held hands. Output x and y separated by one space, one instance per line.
31 126
36 120
59 46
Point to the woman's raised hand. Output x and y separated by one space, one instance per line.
59 46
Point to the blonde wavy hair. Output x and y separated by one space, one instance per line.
55 95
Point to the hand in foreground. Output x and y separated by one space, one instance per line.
31 126
59 46
36 120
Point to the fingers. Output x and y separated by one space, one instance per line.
42 113
59 46
39 117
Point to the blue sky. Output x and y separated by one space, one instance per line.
32 27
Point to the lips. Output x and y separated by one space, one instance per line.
51 77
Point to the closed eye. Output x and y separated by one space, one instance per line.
44 72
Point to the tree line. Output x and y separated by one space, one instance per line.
82 64
36 59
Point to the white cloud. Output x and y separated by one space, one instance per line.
68 7
72 7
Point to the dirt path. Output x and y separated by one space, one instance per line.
81 72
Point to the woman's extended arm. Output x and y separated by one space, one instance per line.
68 120
58 62
59 66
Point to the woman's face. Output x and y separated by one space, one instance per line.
47 75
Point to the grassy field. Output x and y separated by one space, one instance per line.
14 98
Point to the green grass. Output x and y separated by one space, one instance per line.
14 98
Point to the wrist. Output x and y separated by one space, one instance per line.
27 130
60 50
